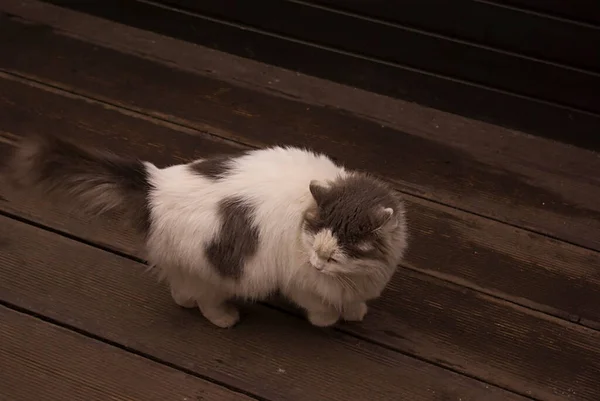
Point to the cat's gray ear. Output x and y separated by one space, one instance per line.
385 217
311 213
318 190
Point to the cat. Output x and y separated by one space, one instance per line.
245 225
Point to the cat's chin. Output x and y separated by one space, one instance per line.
334 273
327 273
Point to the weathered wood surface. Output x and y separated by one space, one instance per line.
480 310
424 51
41 361
578 10
522 94
553 39
270 354
500 260
422 316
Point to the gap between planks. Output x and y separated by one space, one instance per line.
41 318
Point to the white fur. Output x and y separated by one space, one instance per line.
276 181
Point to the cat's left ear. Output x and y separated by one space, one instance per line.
386 218
318 190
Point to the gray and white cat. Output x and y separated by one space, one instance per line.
246 225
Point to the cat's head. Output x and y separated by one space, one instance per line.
356 226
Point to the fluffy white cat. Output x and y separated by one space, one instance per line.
246 225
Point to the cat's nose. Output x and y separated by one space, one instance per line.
316 262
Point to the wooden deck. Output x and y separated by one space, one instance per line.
498 299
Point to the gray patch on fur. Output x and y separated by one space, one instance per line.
216 167
98 181
350 207
237 240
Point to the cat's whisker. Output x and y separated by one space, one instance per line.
346 282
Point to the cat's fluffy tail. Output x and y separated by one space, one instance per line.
97 181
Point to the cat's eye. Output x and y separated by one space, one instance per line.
331 260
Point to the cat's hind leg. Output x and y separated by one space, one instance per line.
181 286
215 306
354 312
182 299
188 291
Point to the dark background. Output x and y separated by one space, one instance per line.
532 65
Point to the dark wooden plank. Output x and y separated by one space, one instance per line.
45 362
498 179
111 297
487 23
545 359
514 264
579 10
473 249
419 49
415 85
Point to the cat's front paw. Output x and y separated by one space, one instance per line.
182 300
323 319
224 316
355 312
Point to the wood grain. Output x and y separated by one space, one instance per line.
541 357
272 355
450 332
409 84
485 23
40 361
501 181
510 263
578 10
421 50
396 113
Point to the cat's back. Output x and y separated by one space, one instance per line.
285 171
274 182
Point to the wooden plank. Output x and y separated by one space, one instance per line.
486 23
579 10
496 177
545 359
45 362
111 297
486 255
469 98
425 338
418 49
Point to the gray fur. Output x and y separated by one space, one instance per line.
352 208
98 181
215 167
238 238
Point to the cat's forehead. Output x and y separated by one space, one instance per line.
349 207
344 216
353 234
